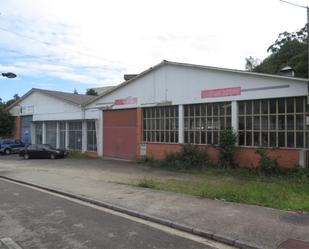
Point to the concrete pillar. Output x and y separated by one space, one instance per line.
66 134
180 124
84 136
58 135
234 115
302 158
99 133
44 133
139 130
32 132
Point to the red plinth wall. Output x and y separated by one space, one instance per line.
244 157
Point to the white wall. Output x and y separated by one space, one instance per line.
183 85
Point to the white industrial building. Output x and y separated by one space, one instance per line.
174 103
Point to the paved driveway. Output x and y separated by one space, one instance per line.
92 169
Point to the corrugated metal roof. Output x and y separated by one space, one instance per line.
72 98
77 99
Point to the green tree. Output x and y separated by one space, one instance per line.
290 49
91 92
6 122
251 63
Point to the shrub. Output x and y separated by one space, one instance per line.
146 183
227 147
267 166
189 157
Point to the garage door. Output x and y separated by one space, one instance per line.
119 133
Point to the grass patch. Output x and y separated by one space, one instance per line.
242 186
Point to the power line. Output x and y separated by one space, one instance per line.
295 4
52 45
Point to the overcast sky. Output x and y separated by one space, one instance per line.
67 44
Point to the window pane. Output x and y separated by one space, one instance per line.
216 137
248 107
272 139
290 122
256 122
281 122
216 123
272 106
290 105
256 107
299 139
300 122
273 123
264 141
300 104
215 109
209 138
241 138
290 139
249 138
281 105
241 108
241 123
249 123
264 106
281 139
264 122
256 139
228 123
222 109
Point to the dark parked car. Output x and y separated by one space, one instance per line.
42 151
9 146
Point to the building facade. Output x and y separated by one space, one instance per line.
58 119
170 104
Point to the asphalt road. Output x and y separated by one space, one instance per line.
34 219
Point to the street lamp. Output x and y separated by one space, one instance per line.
8 75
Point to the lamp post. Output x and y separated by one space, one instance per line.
9 75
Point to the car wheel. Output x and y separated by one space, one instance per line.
7 151
26 156
52 156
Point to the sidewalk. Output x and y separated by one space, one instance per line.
259 226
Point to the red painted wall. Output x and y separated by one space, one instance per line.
120 134
244 157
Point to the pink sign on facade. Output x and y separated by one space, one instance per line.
221 92
126 101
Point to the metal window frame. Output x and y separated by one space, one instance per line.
276 130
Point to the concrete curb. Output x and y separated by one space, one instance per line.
195 231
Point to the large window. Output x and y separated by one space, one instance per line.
62 129
91 136
203 122
38 132
161 124
51 133
75 135
273 122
